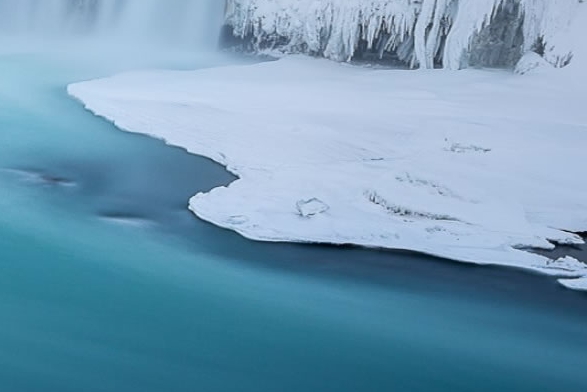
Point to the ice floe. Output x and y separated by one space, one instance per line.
472 165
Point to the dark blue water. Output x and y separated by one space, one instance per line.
108 283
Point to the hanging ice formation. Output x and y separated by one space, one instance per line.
425 33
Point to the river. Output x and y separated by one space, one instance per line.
109 283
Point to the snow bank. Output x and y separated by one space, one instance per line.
473 166
421 32
575 284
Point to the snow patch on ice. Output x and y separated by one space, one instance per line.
311 207
560 237
568 264
361 154
575 284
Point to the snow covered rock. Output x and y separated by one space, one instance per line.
425 33
569 264
531 61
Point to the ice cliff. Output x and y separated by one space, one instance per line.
419 33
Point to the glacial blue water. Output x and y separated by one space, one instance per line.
108 283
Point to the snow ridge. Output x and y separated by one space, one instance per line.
419 32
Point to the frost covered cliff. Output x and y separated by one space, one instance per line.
419 33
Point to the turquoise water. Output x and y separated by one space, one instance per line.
108 283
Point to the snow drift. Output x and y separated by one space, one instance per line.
474 165
425 33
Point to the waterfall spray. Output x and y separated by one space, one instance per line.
177 23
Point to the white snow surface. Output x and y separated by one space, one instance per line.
471 165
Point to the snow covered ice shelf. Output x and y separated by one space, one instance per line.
471 165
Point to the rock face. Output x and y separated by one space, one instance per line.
424 33
501 42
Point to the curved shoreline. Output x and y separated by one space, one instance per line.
143 102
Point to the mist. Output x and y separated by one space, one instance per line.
108 36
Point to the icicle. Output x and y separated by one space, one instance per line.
432 42
472 15
414 30
424 20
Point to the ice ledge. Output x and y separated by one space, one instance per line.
331 153
575 284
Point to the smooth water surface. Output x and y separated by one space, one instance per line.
108 283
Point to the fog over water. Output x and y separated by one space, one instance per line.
177 23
